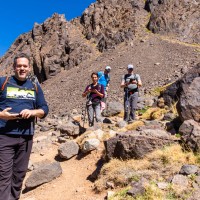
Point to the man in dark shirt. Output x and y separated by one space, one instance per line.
21 101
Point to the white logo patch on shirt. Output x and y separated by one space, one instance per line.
18 93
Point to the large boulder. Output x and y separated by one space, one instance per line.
189 104
186 91
190 131
136 144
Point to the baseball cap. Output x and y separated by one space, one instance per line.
108 68
130 66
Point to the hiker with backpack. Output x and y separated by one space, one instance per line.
21 101
104 79
131 83
94 93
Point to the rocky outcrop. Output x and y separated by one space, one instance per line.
177 18
186 91
53 45
110 22
190 131
189 103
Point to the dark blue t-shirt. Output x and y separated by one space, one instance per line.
20 95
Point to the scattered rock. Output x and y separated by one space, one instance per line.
68 149
89 145
189 169
112 109
43 174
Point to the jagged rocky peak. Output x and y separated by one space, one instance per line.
177 18
110 22
52 45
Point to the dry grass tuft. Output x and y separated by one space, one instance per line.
158 90
134 125
173 155
174 109
154 113
169 159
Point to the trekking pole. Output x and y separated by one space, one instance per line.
127 103
84 116
85 111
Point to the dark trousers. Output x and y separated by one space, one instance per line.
14 157
130 105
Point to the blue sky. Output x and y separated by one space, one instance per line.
18 16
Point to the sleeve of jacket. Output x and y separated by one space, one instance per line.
102 91
41 102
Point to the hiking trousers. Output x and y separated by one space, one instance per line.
94 109
130 105
14 157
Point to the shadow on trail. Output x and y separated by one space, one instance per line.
93 177
25 190
59 159
81 155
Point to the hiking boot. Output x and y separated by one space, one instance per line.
130 121
91 124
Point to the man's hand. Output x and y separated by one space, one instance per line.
26 113
6 115
88 91
133 82
94 91
126 84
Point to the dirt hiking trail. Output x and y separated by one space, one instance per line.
73 184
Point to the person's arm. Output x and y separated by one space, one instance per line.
139 82
123 83
86 92
108 84
41 108
107 87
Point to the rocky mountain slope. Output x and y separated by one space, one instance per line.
179 19
149 34
114 33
